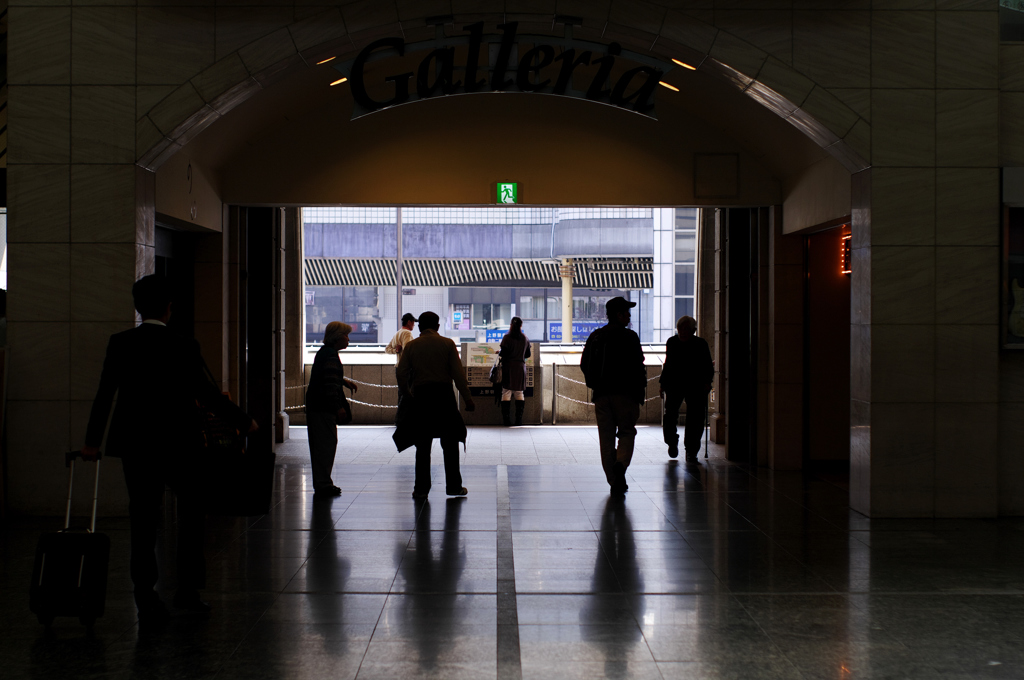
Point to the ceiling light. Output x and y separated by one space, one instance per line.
671 87
326 60
339 81
684 64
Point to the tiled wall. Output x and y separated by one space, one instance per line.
913 89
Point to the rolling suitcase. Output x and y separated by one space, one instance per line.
70 573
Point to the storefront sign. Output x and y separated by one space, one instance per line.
547 67
581 330
496 334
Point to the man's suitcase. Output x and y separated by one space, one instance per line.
70 573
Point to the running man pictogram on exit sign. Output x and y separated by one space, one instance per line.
508 192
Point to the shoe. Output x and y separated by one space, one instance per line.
692 460
153 614
190 602
673 450
419 495
329 491
461 492
619 486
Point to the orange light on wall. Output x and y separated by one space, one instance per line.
846 256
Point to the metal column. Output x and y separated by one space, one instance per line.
398 268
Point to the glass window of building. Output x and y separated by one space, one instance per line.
685 262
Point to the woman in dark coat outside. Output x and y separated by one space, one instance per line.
326 407
515 350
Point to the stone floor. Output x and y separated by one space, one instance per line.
714 571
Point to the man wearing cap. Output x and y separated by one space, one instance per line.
403 337
613 364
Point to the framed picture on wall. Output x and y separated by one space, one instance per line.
1011 313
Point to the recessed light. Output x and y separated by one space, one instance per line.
339 81
326 60
684 64
671 87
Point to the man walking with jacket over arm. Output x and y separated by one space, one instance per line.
613 364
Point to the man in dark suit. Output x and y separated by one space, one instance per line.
156 430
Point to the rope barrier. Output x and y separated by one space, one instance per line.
356 401
296 387
360 382
577 401
562 377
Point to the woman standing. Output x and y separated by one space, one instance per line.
515 350
326 407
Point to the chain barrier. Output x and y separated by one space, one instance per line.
360 382
356 401
296 387
576 401
562 377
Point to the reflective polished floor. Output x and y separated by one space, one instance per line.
709 571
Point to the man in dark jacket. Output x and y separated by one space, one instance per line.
613 364
686 376
156 431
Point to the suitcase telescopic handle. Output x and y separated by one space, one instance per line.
69 461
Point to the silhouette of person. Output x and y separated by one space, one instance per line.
515 350
155 430
327 407
427 410
403 337
613 364
686 376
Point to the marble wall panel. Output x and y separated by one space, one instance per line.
644 16
689 31
833 48
329 27
1011 67
857 98
966 363
903 128
220 77
42 118
87 353
966 432
149 142
860 362
176 108
770 30
1010 466
1011 377
103 274
902 460
967 206
268 51
785 445
240 26
366 393
858 140
416 9
786 294
782 79
738 54
41 361
903 206
175 43
35 460
38 203
903 285
902 363
860 456
1011 136
148 96
785 360
860 286
103 203
903 49
103 46
38 277
113 492
966 49
472 10
965 126
966 284
103 124
368 14
963 5
39 45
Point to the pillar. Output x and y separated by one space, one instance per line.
567 271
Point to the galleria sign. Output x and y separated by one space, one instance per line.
632 90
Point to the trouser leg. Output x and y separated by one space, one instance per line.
452 471
191 537
145 501
422 484
627 413
322 429
605 415
671 419
696 413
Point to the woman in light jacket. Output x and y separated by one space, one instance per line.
515 350
327 407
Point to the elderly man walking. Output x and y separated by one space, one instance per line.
686 376
427 410
613 364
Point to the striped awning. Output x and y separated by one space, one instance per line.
611 273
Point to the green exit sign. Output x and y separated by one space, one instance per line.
508 192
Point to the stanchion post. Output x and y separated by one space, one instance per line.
554 393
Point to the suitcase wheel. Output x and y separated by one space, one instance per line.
45 619
87 621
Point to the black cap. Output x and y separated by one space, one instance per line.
406 318
618 304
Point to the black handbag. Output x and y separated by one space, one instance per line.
496 371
